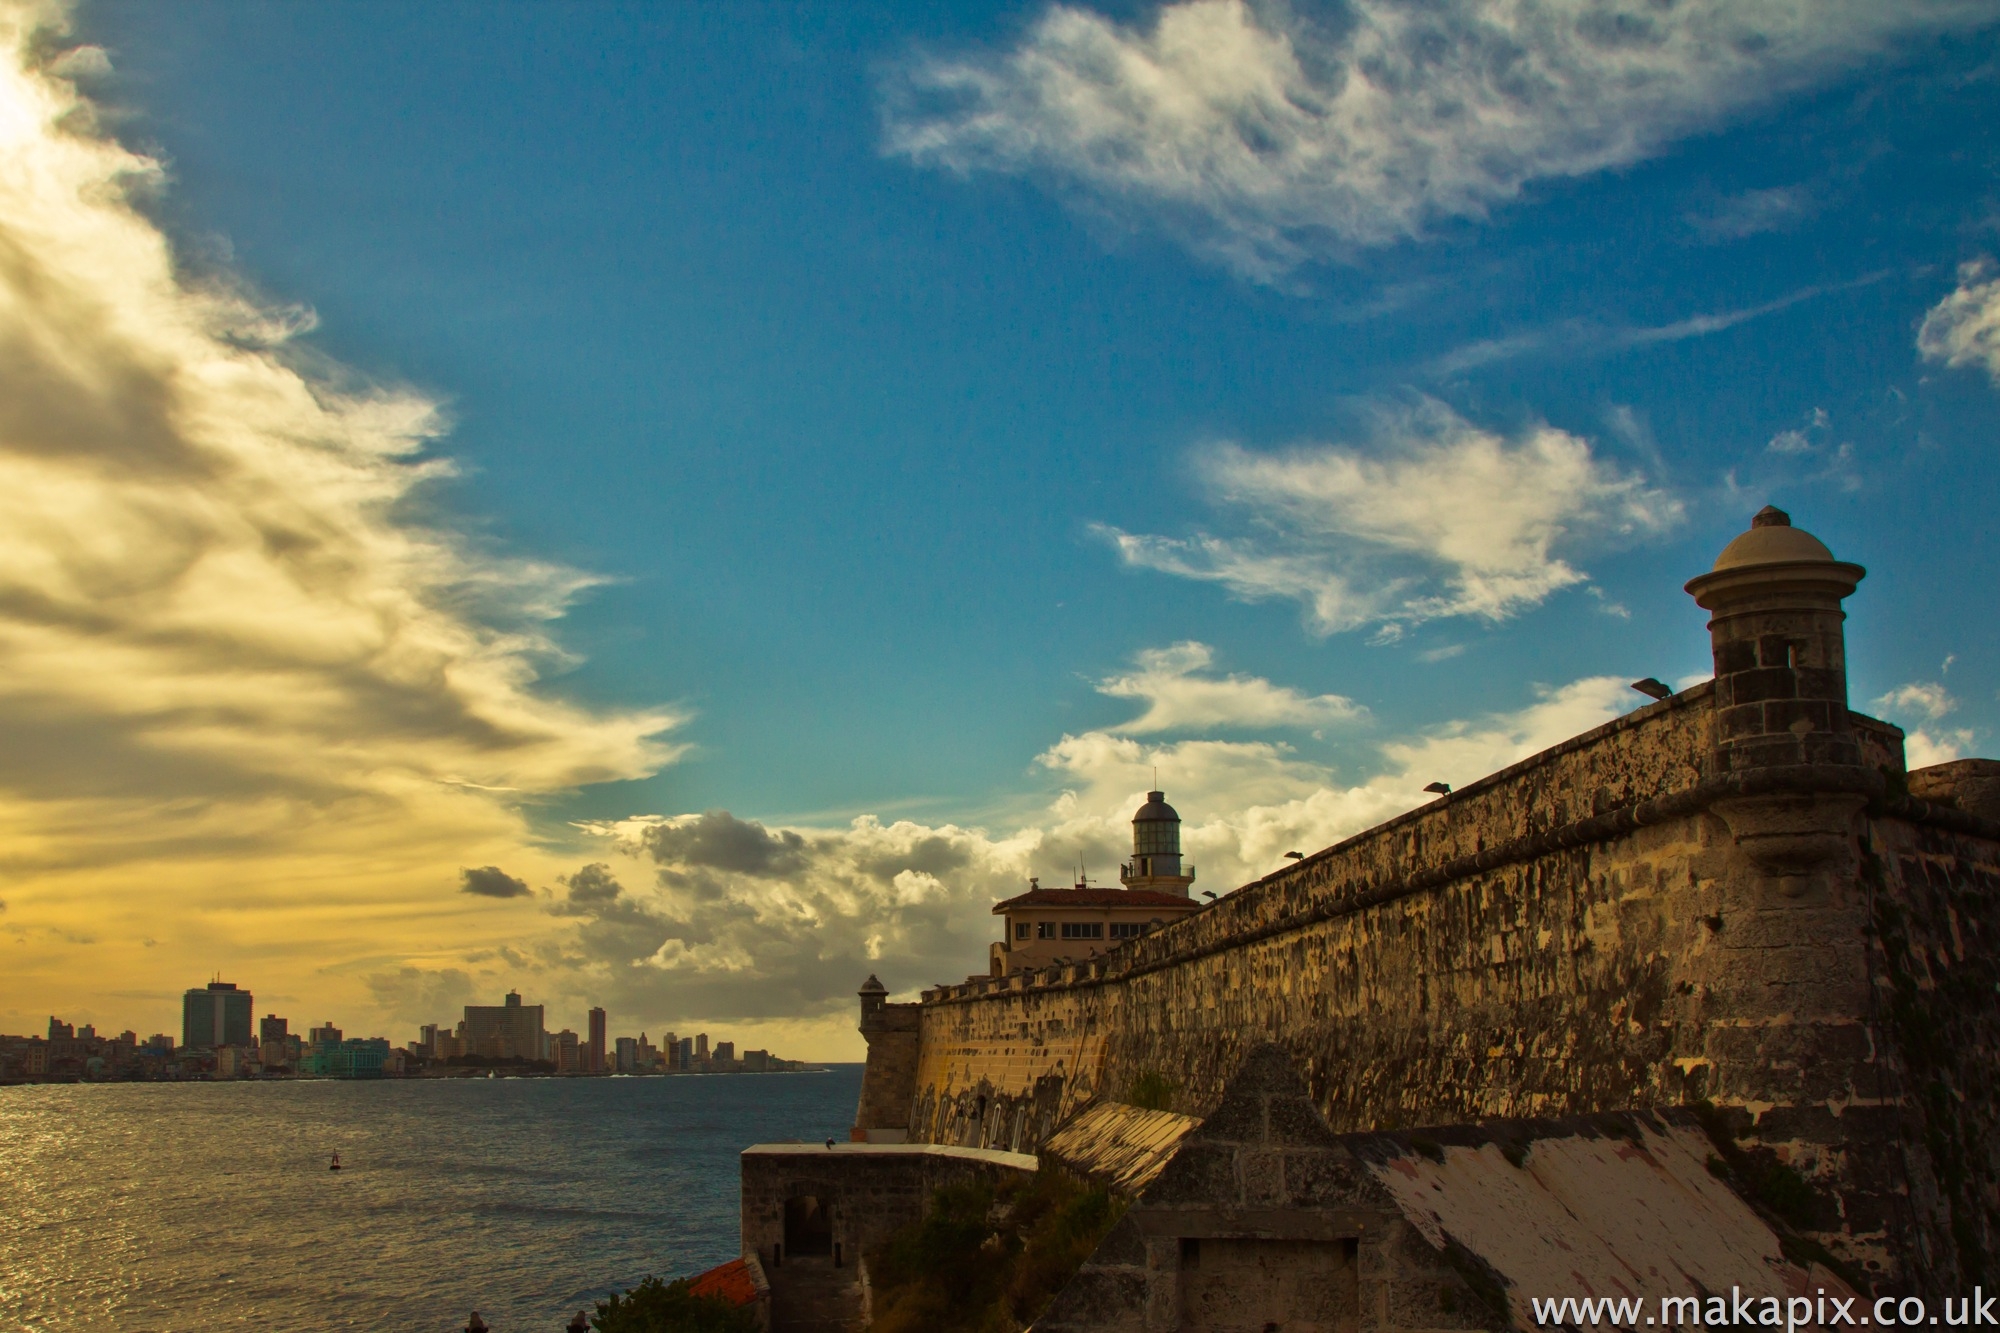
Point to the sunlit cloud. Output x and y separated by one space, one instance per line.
1438 518
245 659
1964 328
1181 695
1265 135
1928 703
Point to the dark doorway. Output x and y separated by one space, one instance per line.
808 1227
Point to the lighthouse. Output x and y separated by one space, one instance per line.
1156 850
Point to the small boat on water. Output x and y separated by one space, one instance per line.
334 1165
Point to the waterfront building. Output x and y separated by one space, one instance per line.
567 1052
597 1049
272 1028
649 1058
509 1031
687 1053
322 1035
627 1055
701 1046
59 1030
725 1054
357 1057
756 1062
217 1015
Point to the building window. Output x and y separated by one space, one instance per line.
1083 930
1045 930
1020 930
1127 930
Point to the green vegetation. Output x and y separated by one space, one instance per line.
670 1307
987 1261
1152 1091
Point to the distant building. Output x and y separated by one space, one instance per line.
627 1055
59 1030
701 1046
725 1053
360 1057
427 1039
597 1051
567 1052
273 1028
217 1015
510 1031
756 1062
687 1053
322 1035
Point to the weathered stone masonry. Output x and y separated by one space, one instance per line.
1732 896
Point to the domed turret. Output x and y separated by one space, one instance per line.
1780 655
1156 849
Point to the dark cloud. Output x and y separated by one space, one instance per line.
747 922
592 884
491 882
719 840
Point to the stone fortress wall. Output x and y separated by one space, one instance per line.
1732 897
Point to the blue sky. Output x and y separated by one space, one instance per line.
915 379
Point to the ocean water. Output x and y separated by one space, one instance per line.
172 1208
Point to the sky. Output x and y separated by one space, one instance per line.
682 507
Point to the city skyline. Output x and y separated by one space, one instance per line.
217 1041
682 509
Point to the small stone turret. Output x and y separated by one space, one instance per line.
1780 650
889 1081
874 999
1782 730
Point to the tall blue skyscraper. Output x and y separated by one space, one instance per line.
217 1015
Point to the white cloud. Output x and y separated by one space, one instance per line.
1926 699
1964 328
1441 519
1753 212
726 918
1263 135
1922 748
210 569
1930 701
1179 698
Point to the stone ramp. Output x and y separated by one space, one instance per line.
810 1295
1118 1146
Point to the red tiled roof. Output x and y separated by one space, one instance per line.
731 1281
1097 899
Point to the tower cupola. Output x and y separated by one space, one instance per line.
1156 850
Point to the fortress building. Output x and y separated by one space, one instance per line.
1708 995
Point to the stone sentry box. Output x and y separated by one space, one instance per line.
811 1212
